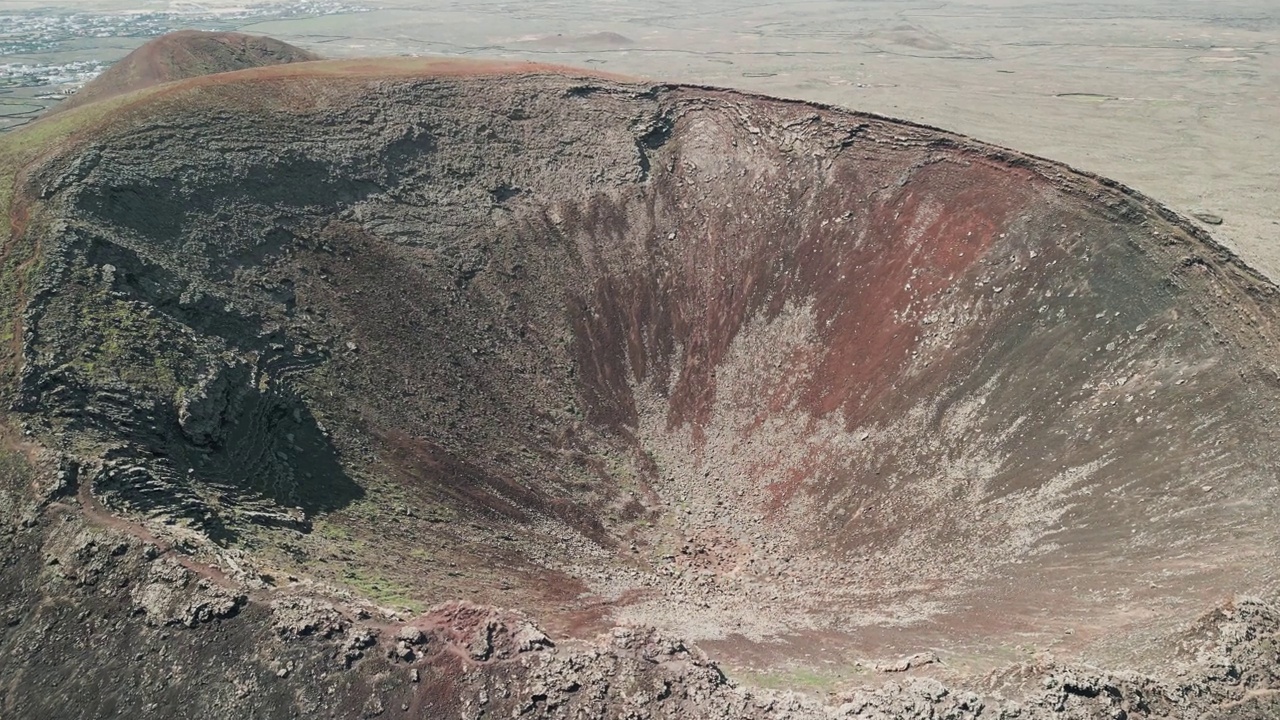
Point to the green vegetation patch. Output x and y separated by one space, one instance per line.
116 339
20 218
381 590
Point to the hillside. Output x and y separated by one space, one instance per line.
185 54
414 388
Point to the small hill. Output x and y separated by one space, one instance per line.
186 54
591 41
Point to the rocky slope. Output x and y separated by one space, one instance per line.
317 364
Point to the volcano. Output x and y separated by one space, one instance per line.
185 54
313 367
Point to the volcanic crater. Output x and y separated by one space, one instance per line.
815 389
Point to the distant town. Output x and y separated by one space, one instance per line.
53 31
59 78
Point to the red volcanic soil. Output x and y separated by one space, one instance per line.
186 54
